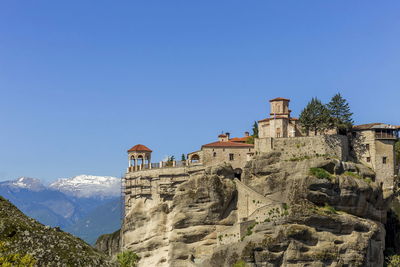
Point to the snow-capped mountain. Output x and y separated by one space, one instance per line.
85 186
76 204
25 183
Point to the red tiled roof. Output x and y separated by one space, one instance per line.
222 135
140 148
228 144
375 125
279 99
239 139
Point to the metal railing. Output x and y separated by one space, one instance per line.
162 164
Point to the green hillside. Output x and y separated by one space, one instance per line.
48 246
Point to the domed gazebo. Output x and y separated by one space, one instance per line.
139 158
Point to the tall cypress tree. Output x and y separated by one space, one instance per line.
255 130
397 150
339 111
314 117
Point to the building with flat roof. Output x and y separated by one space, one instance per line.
373 145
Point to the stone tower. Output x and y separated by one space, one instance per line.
280 107
373 145
279 124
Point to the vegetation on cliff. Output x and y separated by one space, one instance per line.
318 117
397 149
8 259
340 114
314 117
26 242
127 259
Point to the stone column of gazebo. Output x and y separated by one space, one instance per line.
139 158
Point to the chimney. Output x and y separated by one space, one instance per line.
246 134
228 135
222 138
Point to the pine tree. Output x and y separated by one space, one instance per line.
314 117
339 111
183 157
255 130
397 150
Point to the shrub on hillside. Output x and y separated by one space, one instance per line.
393 261
320 173
127 259
9 260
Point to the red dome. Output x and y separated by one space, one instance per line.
140 148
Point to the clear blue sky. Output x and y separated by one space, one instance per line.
83 81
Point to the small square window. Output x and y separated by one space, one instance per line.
215 154
368 159
384 160
231 157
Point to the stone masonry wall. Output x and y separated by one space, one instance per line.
378 149
299 147
222 156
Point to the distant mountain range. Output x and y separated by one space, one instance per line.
77 205
86 186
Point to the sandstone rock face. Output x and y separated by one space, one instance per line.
277 215
182 231
336 221
109 243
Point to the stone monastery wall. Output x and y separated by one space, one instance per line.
293 148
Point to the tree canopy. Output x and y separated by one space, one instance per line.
250 140
255 130
340 114
318 117
397 149
315 117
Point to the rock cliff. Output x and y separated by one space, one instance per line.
332 221
306 212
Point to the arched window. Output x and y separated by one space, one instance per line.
140 160
195 158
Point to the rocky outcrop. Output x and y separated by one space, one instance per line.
21 235
110 244
333 221
279 214
181 231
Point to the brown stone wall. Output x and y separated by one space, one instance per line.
385 171
222 155
378 148
299 147
264 129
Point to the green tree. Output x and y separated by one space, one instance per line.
315 117
127 259
170 161
397 149
255 130
340 114
183 158
250 140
